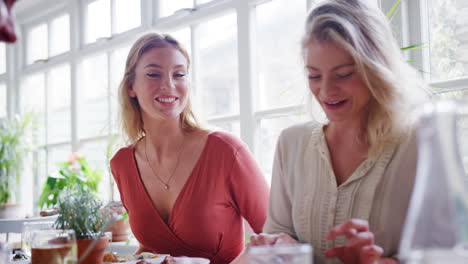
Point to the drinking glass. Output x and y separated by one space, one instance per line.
28 228
53 247
281 254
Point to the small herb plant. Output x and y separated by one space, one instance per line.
73 174
80 211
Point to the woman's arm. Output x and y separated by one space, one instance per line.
248 188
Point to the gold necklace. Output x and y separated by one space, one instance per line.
165 184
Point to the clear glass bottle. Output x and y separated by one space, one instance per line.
436 227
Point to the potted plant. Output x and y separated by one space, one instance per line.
81 211
75 174
121 226
12 152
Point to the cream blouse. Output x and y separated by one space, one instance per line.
306 203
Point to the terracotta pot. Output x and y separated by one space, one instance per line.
119 230
96 255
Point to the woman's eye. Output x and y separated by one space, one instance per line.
345 75
179 75
153 75
314 77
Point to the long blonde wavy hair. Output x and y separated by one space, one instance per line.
365 33
130 111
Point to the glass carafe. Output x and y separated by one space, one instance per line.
436 227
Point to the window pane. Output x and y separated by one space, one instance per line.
270 129
184 38
98 21
32 98
449 41
55 156
131 11
40 168
218 71
230 127
2 58
37 43
93 103
60 35
3 100
96 155
199 2
281 78
168 7
118 58
59 116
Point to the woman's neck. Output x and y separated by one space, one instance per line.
351 131
163 137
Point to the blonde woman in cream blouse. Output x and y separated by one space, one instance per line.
344 186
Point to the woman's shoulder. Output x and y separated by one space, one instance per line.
225 140
122 155
300 132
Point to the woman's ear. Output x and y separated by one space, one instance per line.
131 92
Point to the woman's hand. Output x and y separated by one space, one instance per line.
271 239
359 247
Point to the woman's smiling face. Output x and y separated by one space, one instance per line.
335 82
161 84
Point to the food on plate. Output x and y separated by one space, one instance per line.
143 262
113 257
110 257
148 255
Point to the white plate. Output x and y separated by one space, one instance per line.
161 258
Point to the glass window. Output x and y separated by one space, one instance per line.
93 102
230 127
59 101
169 7
184 37
37 43
118 59
57 155
281 77
32 99
2 58
448 39
60 35
218 88
131 11
98 24
269 131
3 101
40 168
199 2
97 157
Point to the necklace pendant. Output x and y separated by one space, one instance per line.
166 186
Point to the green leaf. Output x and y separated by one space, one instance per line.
414 47
392 10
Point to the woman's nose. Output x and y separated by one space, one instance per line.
168 83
